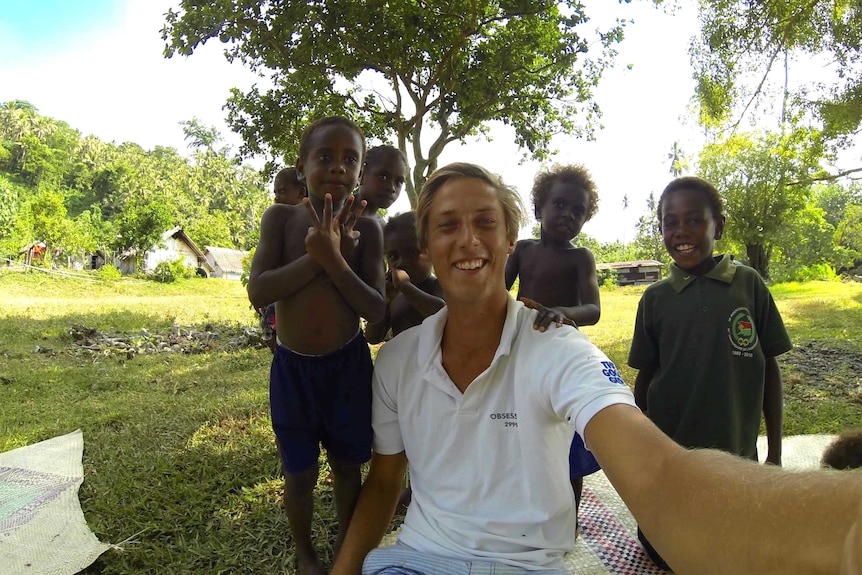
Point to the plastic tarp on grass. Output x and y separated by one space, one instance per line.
42 527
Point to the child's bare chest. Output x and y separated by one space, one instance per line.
546 273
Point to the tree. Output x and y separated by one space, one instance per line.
759 176
762 40
426 73
648 243
678 161
141 226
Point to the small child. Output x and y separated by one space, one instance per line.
706 338
845 452
557 278
412 292
383 176
322 280
287 189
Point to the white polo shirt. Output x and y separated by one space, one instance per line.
489 468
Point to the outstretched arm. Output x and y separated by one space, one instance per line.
773 410
709 512
268 282
373 512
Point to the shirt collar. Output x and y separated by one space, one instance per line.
431 333
723 271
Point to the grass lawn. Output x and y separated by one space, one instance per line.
179 457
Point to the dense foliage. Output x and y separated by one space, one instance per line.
78 194
424 73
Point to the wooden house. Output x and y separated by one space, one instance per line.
174 244
640 272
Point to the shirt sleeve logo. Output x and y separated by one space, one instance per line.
740 329
609 370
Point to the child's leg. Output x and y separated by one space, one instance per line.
346 482
581 463
299 506
578 490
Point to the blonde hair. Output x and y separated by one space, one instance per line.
510 200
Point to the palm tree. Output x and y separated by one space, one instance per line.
678 160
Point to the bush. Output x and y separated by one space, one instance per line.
608 279
817 272
169 272
108 273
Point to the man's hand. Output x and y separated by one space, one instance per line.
546 316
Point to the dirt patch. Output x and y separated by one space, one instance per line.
85 340
815 370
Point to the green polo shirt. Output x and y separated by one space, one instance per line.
708 338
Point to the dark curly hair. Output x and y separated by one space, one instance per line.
713 198
845 452
379 153
576 175
405 221
328 121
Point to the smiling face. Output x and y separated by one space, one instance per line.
382 181
333 162
689 229
563 212
467 241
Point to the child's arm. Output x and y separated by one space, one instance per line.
425 303
376 331
590 310
642 383
269 282
513 266
363 292
773 410
587 313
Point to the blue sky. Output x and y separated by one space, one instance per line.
98 65
36 28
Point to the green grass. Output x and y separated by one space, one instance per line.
179 455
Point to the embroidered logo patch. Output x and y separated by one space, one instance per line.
740 329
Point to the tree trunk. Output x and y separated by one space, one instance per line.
758 258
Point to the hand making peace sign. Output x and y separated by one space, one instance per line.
328 236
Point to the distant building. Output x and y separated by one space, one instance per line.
640 272
225 262
175 244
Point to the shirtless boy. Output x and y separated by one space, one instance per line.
557 278
309 262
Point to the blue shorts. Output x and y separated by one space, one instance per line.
322 399
581 461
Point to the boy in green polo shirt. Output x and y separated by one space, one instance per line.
706 338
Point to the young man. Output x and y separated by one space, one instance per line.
475 504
